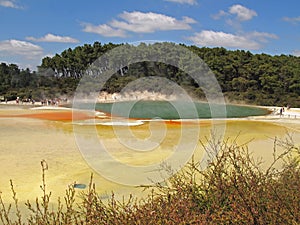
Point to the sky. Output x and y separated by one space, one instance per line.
33 29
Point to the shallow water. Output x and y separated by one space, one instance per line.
26 140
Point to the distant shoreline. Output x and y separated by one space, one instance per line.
105 97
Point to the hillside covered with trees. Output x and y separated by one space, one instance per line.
244 77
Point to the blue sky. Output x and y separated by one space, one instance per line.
33 29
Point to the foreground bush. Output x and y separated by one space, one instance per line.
233 189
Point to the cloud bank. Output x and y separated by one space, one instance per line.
23 48
251 41
139 22
53 38
9 4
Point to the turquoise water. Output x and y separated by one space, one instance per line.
177 110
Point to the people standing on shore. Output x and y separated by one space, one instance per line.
281 111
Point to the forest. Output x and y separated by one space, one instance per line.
244 77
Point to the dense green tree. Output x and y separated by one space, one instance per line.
243 76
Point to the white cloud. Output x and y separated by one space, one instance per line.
104 30
220 14
261 36
190 2
23 48
53 38
296 53
139 22
251 41
9 4
242 12
212 38
292 19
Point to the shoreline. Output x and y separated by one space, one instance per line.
276 114
292 114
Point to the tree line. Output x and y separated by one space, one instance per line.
243 76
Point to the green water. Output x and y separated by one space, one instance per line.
177 110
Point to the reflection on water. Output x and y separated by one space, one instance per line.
24 142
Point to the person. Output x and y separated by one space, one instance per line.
280 111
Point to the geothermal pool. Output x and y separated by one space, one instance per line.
29 136
178 110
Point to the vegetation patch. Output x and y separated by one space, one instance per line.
244 77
